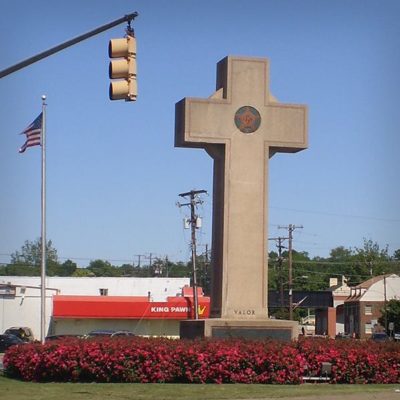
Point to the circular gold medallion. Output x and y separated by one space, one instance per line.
247 119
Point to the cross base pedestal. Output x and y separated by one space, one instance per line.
232 328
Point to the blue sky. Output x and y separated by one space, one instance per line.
113 174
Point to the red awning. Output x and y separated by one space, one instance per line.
127 307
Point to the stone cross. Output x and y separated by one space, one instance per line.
240 126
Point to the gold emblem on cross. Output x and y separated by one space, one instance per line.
247 119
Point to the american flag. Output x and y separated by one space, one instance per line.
33 133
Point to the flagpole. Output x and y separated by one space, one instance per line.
43 230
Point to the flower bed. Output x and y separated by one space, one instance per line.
127 359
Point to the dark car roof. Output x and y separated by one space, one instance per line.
110 332
19 329
10 336
123 333
16 328
99 332
62 336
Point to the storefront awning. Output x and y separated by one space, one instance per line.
127 307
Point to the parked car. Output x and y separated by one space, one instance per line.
7 340
108 333
100 332
62 337
22 332
343 336
380 337
122 333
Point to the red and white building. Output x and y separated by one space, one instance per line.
145 306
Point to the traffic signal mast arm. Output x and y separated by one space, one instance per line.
56 49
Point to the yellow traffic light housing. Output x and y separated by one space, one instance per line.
123 68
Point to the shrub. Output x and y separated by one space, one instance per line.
147 360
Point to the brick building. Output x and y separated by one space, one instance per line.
364 305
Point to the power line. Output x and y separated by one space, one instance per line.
342 262
336 214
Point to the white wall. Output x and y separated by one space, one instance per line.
160 288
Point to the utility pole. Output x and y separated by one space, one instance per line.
166 265
139 256
148 268
290 229
207 266
280 246
385 303
280 263
194 223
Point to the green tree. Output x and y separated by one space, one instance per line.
301 271
275 271
391 314
82 272
342 263
340 254
102 268
31 253
372 260
180 270
158 267
203 272
126 270
27 261
67 268
20 270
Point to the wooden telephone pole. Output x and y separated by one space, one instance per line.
290 229
194 200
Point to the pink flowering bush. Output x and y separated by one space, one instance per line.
354 361
135 359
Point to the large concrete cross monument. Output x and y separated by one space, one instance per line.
240 126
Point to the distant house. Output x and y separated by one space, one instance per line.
340 292
364 305
330 320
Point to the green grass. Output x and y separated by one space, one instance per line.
16 390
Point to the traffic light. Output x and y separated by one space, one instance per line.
123 68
